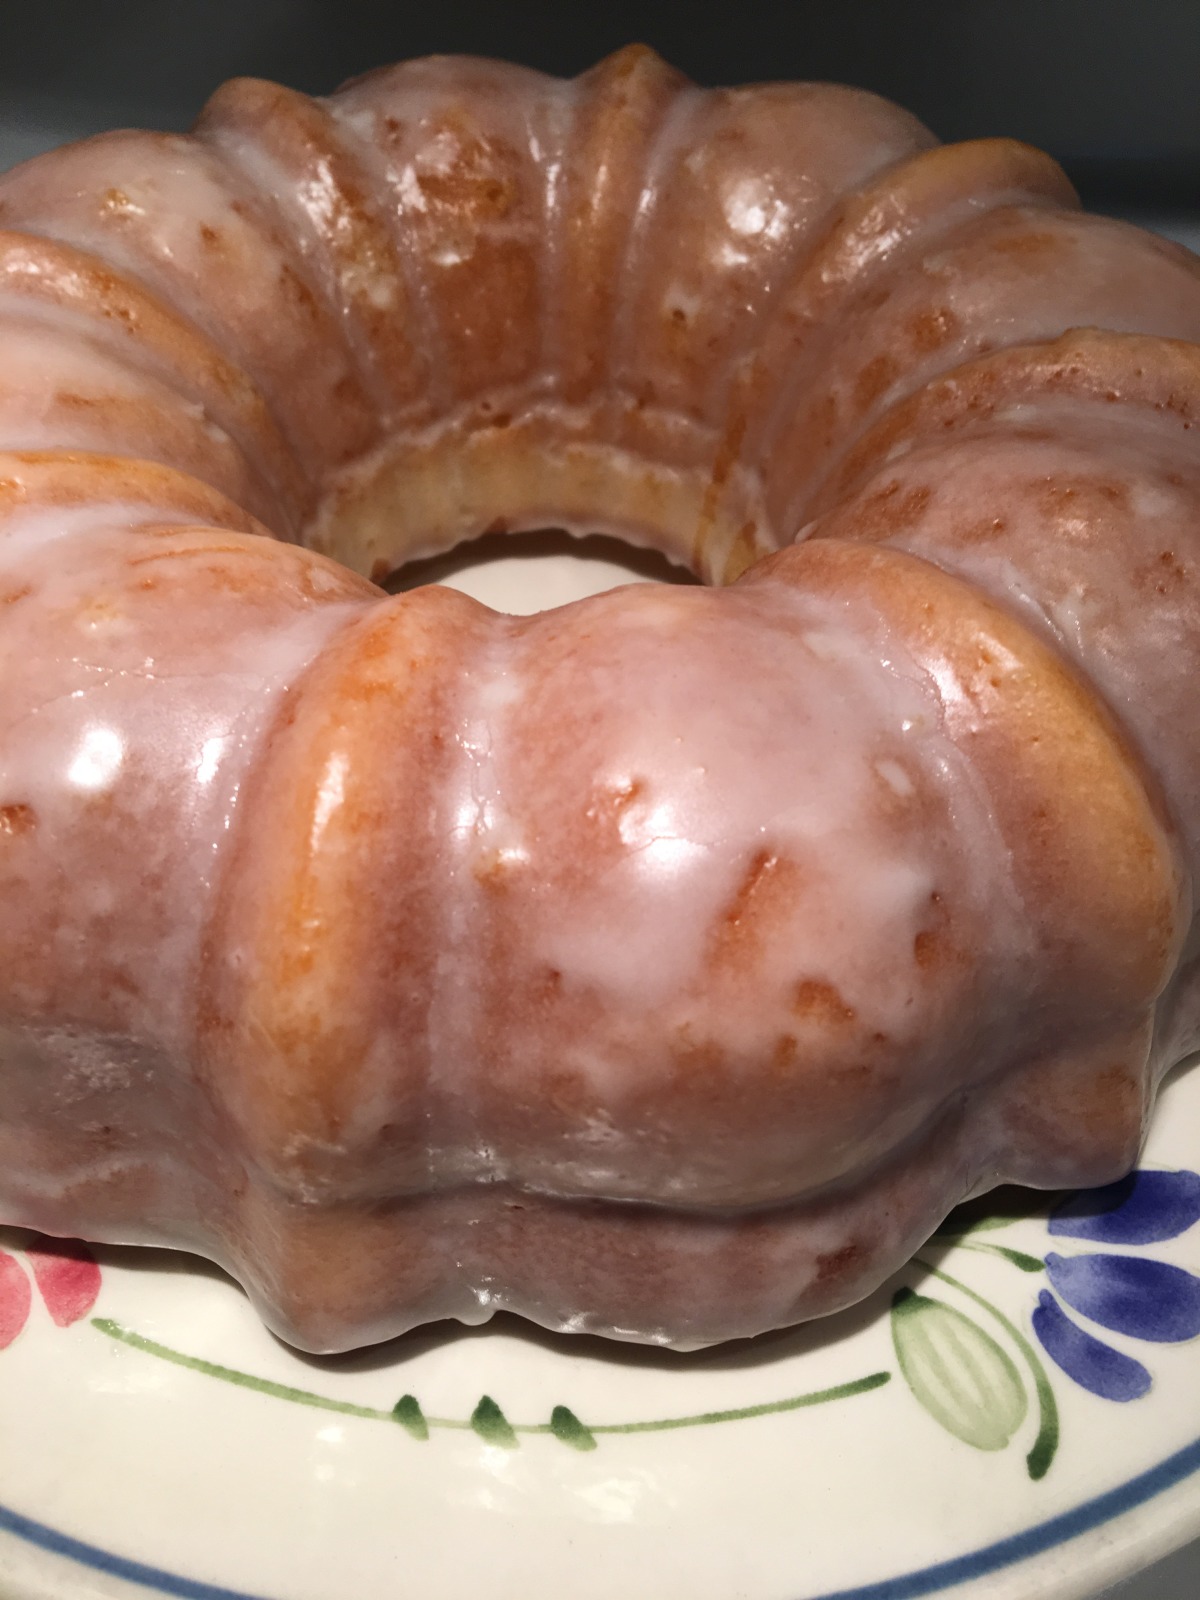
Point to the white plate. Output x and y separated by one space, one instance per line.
157 1440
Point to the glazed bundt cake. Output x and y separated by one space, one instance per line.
668 964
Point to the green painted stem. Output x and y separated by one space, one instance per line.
1018 1258
247 1380
561 1421
842 1391
1045 1446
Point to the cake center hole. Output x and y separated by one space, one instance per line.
525 572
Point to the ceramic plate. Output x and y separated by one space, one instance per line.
1017 1414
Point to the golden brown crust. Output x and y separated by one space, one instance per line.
1094 365
1094 856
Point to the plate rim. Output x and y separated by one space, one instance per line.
1051 1533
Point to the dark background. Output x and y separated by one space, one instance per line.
1110 87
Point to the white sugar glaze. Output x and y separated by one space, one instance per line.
154 730
665 964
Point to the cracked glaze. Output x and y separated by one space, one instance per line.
667 964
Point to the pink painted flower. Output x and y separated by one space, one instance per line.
66 1274
15 1296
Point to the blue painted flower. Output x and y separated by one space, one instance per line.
1144 1208
1144 1299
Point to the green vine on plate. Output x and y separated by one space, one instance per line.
487 1420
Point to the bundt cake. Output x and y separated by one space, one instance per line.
668 964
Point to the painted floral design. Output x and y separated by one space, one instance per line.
969 1366
961 1375
1139 1297
67 1279
487 1420
975 1385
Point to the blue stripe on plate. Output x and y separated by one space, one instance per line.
91 1555
910 1586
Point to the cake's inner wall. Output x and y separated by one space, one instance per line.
422 494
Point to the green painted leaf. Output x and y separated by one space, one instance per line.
1019 1258
492 1426
407 1412
958 1372
565 1425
